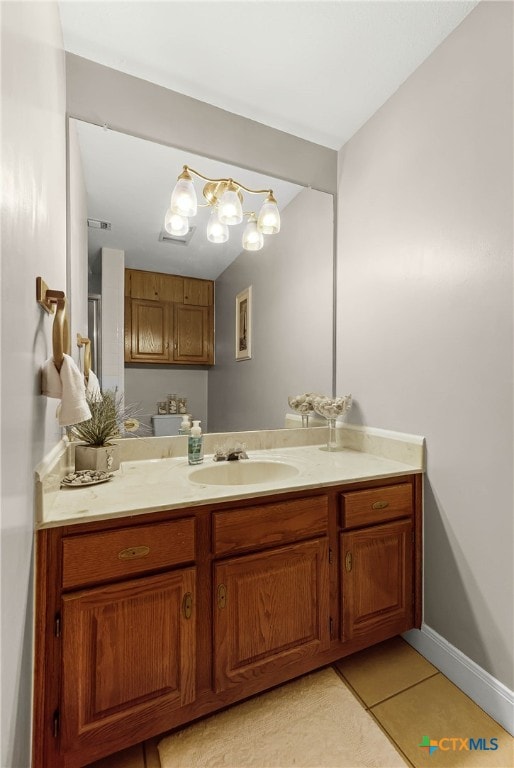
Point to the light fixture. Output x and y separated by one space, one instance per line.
216 231
225 196
253 240
230 210
176 224
183 198
269 217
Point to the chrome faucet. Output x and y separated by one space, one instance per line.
231 453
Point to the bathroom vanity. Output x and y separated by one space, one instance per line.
147 620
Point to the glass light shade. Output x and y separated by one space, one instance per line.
183 198
253 240
216 231
176 224
230 210
269 218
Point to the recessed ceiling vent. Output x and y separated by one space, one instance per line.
165 237
97 224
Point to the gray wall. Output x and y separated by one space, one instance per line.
33 243
425 314
148 385
292 283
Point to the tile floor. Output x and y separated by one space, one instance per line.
409 699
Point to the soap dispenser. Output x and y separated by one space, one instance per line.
185 427
195 444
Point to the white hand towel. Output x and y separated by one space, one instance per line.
51 385
74 407
93 392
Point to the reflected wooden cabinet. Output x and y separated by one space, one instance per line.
169 319
149 329
193 337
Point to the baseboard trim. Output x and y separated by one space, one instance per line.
489 693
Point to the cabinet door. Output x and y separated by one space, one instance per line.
128 658
270 609
150 331
377 580
155 286
199 292
193 334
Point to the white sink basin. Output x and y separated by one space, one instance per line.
242 472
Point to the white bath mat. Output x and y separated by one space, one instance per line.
312 722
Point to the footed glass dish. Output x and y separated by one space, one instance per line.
331 408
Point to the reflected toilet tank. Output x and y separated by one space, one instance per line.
166 424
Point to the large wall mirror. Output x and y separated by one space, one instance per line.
126 182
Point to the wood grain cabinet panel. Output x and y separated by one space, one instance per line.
128 655
269 525
156 286
377 580
270 609
108 555
377 505
193 336
168 319
199 292
150 331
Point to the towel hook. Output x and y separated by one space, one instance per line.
83 341
60 332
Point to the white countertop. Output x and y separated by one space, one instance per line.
162 484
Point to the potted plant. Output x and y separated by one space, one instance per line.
110 419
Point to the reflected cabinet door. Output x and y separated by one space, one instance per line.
377 579
148 331
193 334
128 657
270 609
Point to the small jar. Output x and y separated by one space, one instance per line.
172 404
182 405
162 408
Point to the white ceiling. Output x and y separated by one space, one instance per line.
314 68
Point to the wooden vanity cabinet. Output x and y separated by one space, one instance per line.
128 655
271 607
144 624
169 319
377 555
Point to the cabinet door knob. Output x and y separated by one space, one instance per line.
133 553
380 505
187 605
348 561
222 596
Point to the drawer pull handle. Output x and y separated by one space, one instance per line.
133 553
380 505
348 561
187 605
222 596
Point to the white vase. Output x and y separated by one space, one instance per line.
97 457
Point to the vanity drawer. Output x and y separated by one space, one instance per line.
269 525
376 505
107 555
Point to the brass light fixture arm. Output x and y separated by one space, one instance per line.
217 181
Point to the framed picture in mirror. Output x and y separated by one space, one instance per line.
244 324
